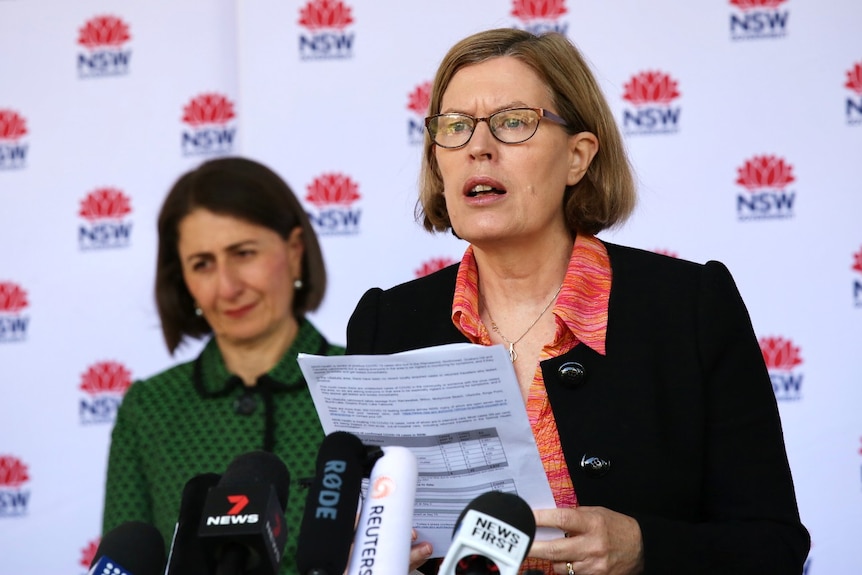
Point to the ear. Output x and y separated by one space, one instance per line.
295 250
583 147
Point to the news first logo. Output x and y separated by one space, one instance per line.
14 497
104 211
104 384
432 265
853 106
857 282
651 95
758 19
538 16
103 39
782 358
13 319
326 37
210 131
333 196
13 150
765 179
417 102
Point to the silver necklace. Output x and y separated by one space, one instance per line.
512 353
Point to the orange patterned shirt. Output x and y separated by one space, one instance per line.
581 314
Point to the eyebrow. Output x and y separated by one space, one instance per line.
507 106
230 248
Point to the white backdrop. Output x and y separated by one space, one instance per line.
743 119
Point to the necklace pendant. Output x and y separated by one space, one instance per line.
512 353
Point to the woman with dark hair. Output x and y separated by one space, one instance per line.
238 261
641 376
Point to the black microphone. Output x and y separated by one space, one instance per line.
242 527
492 535
131 548
326 531
186 555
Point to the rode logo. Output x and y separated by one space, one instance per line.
432 265
327 501
104 384
857 283
782 358
208 117
756 19
103 39
651 95
417 102
765 179
333 196
13 151
234 515
105 211
14 499
325 21
13 303
538 16
853 106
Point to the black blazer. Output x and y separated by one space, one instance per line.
676 426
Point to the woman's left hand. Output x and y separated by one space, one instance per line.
598 542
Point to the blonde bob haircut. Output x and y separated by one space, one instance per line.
605 196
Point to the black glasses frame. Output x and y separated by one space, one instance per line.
543 113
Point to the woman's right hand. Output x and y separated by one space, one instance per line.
419 552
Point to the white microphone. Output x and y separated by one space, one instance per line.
383 535
492 535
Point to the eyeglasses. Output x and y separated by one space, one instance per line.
511 126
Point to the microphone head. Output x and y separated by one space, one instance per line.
326 531
186 555
505 507
258 467
133 547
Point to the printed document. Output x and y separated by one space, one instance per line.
457 407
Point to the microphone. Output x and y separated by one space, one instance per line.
492 535
326 531
242 527
383 535
186 555
131 548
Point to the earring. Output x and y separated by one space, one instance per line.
198 311
297 284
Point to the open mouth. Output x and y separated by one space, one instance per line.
484 190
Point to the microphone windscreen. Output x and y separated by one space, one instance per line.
135 546
186 556
326 531
507 508
258 467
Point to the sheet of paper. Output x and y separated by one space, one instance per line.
457 407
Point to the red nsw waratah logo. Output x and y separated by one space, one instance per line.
13 472
13 299
13 126
854 78
105 203
756 4
419 99
538 9
106 377
103 32
433 265
779 353
765 172
88 553
651 87
325 14
857 261
211 108
332 189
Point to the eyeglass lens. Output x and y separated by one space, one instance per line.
509 126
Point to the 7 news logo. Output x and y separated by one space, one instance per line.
758 19
539 16
234 515
103 38
652 95
325 21
13 151
14 475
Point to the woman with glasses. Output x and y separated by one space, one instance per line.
641 375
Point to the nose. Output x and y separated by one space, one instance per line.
229 282
482 143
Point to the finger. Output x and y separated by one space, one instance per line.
419 554
561 518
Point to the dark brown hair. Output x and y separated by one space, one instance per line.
605 196
243 189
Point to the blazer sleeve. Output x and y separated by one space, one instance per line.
750 521
362 325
